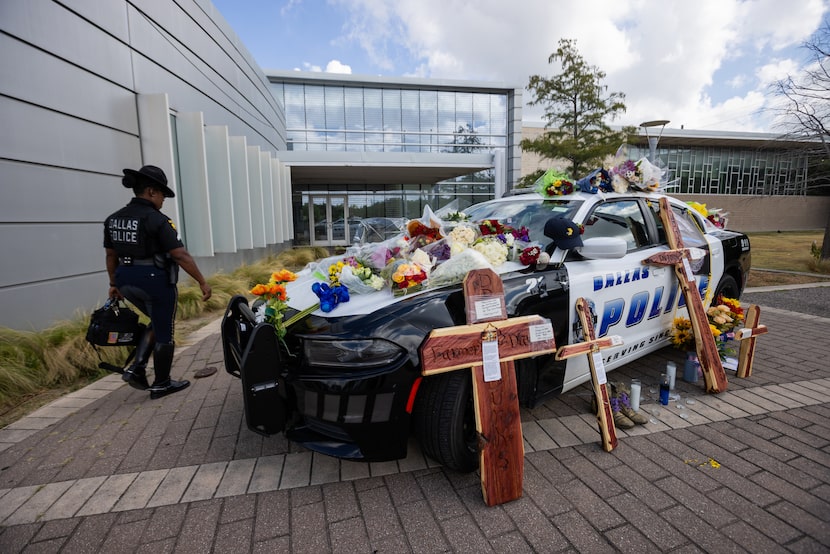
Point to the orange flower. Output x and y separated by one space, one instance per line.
278 291
284 276
259 290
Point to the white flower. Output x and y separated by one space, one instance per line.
493 249
463 234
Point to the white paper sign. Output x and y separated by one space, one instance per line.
599 367
490 355
731 364
486 309
689 273
541 332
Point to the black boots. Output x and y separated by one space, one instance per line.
162 362
136 374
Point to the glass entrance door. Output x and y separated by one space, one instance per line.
328 217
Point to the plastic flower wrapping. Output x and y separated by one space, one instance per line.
640 175
554 183
596 181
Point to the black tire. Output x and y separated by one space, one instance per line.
444 420
728 287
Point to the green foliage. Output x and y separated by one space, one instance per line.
577 106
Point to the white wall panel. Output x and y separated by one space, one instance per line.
241 193
267 197
55 84
279 216
193 188
40 136
62 250
289 213
221 197
157 143
72 195
52 28
255 186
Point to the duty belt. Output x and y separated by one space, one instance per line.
127 260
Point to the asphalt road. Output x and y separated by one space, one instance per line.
813 299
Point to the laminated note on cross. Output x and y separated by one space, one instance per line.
488 345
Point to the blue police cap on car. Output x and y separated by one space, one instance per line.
564 232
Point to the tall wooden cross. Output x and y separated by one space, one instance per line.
707 351
591 347
488 344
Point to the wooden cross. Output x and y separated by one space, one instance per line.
747 336
707 351
488 344
591 347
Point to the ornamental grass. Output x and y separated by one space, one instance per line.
33 364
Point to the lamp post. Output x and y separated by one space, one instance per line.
652 141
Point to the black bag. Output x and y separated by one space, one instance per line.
114 324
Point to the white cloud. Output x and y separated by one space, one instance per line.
666 57
334 66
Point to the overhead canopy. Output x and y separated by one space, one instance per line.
380 168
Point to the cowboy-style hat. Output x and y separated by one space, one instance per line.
151 175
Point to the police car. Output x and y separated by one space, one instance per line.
348 383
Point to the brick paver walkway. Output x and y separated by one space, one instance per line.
106 469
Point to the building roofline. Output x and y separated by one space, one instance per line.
380 81
701 137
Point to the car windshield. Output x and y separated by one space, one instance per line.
530 212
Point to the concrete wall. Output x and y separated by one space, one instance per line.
90 87
768 213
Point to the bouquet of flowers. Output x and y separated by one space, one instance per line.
405 276
682 335
724 317
553 183
529 255
715 215
275 299
456 217
457 267
642 175
595 181
493 249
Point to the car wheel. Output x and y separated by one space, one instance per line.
444 420
727 287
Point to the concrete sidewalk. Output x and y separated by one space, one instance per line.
106 469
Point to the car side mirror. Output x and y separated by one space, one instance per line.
603 248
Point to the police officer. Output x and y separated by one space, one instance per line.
144 253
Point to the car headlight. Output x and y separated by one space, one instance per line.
359 352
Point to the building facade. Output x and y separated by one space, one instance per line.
90 88
363 147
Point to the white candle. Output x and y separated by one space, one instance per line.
671 372
635 394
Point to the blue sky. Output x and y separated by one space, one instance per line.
703 64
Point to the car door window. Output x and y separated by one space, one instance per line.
689 227
621 219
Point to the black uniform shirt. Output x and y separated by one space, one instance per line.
139 230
